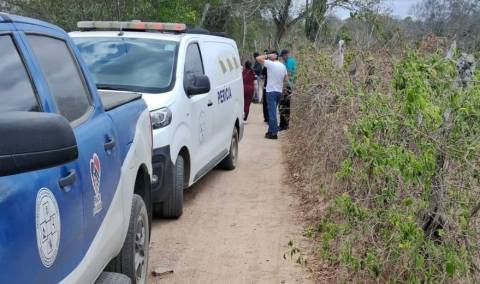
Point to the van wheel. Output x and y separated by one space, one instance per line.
133 258
230 161
173 206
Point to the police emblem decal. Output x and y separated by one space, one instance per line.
47 221
96 175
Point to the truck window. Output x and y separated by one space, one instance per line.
193 60
16 91
62 75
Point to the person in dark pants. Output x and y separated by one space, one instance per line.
257 67
264 96
277 77
284 106
249 78
284 109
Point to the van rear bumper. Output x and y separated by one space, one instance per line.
163 174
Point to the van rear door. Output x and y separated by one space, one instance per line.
225 72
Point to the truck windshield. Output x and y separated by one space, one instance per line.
130 64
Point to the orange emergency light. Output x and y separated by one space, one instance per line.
133 25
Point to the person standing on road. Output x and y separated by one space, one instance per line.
264 88
290 64
257 67
249 78
264 76
277 76
284 107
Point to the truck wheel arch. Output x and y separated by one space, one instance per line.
143 188
179 145
186 157
237 126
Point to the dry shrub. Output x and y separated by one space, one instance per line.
385 153
324 105
432 43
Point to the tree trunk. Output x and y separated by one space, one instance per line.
244 30
279 35
314 18
204 14
270 41
434 220
118 10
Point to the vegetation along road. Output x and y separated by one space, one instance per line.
236 225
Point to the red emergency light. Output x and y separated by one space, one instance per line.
133 25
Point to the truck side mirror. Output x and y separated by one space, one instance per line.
33 141
196 84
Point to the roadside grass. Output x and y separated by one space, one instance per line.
385 153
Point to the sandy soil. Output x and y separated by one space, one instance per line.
236 225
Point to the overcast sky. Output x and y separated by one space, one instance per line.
399 8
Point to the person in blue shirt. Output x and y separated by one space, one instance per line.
291 65
284 106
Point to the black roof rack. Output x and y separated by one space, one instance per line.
199 31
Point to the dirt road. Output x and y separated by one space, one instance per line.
236 225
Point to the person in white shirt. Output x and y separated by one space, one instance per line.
277 78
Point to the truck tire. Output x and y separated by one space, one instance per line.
173 206
133 258
230 161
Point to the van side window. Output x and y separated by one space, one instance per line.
16 91
62 75
193 60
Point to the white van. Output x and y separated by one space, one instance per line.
192 83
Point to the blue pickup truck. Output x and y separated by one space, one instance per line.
75 165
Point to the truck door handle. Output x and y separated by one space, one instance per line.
210 103
110 144
65 182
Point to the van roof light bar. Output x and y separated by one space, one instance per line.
133 25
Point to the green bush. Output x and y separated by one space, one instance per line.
404 208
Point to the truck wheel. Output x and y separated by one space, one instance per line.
173 206
230 161
133 259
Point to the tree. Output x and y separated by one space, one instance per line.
451 18
316 16
66 13
317 10
284 16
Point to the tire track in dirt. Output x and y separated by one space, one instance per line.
236 225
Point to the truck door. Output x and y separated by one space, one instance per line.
41 212
98 167
202 106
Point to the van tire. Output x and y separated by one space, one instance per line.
172 207
136 244
230 161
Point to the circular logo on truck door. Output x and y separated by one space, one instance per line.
48 226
